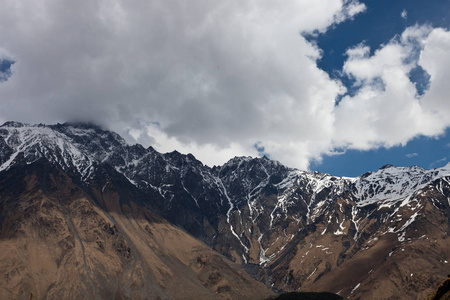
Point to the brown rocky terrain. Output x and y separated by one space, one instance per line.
85 215
64 240
381 263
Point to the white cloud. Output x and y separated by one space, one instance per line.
435 59
360 51
351 9
411 155
364 68
386 111
214 78
210 154
404 14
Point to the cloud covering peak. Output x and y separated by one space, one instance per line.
217 78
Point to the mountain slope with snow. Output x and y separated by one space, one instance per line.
289 228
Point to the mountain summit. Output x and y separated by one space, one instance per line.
118 216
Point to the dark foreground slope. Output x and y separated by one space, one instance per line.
442 292
308 296
61 239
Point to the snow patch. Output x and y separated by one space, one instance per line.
354 289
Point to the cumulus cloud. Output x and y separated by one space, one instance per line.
215 78
387 111
435 59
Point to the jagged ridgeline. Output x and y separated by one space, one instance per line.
108 210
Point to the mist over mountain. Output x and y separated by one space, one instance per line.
84 214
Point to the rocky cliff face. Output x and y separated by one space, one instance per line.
65 239
290 229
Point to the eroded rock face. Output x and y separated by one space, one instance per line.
63 239
290 229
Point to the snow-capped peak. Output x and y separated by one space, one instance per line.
392 183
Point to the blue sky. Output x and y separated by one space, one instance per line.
426 152
376 26
342 87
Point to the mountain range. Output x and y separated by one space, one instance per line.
86 215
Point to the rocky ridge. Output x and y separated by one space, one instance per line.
291 229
